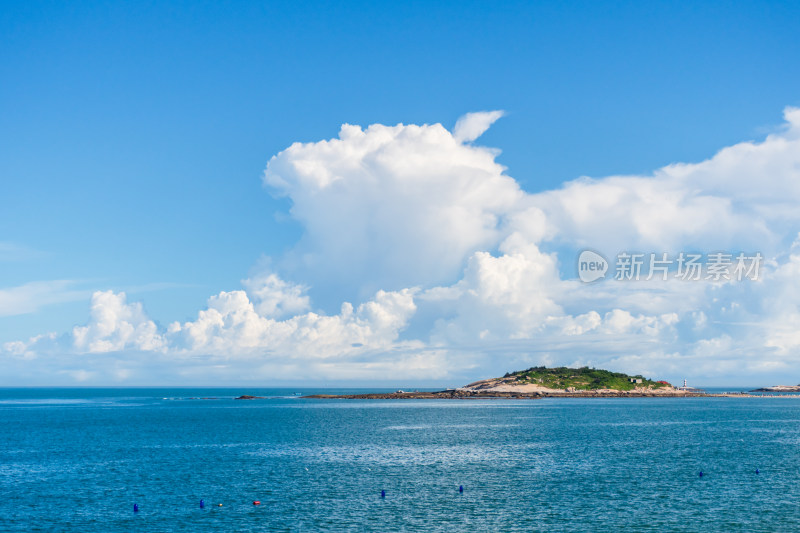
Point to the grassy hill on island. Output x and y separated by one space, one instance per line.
579 378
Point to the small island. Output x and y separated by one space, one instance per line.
570 380
542 382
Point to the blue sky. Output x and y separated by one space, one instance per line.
134 137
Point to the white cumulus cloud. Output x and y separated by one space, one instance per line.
232 325
116 325
390 207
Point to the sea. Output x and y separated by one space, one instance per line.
80 459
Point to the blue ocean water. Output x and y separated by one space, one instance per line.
78 460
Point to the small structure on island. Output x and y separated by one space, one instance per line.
635 380
687 388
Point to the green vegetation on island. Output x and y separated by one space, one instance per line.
580 379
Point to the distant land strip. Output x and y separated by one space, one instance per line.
563 382
460 394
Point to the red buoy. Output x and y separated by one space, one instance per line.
256 502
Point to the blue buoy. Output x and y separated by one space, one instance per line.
757 472
383 494
202 504
701 473
135 507
461 488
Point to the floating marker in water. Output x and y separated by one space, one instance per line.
256 502
701 473
461 488
383 494
202 504
219 505
757 472
135 507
